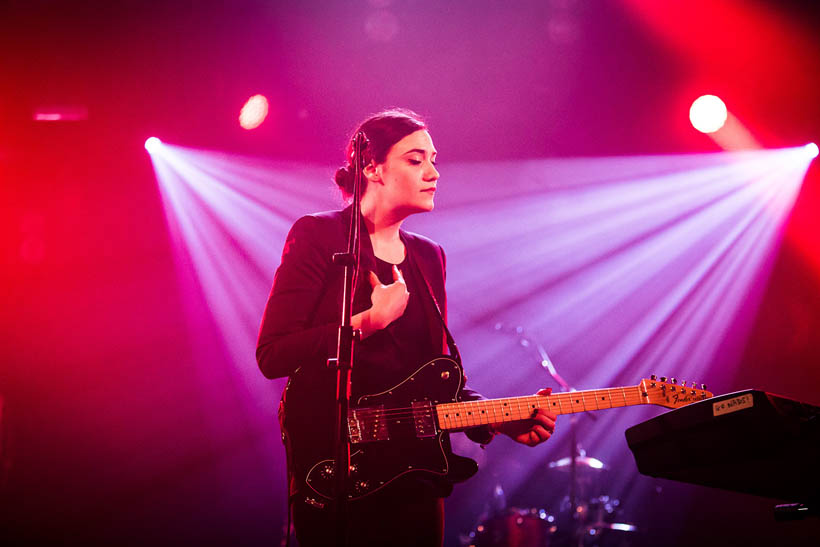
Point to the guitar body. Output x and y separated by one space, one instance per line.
393 433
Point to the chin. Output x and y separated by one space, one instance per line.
414 209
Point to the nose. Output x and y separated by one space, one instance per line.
431 174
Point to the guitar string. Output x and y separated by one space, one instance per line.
492 407
495 404
465 419
628 395
517 401
398 412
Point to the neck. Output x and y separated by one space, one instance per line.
383 224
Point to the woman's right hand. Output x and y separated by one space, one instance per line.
389 301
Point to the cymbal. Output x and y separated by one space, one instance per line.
619 526
586 463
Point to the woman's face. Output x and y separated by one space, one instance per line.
408 175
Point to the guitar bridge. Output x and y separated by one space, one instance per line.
367 425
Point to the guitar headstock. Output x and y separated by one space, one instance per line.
671 394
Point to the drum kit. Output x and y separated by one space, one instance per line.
581 520
594 522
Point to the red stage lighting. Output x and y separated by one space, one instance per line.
811 150
152 144
708 114
254 112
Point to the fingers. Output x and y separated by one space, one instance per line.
389 301
540 433
397 276
544 420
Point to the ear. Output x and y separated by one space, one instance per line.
373 172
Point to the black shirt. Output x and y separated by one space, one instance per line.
405 345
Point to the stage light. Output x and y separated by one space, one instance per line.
60 113
152 144
811 150
708 114
254 112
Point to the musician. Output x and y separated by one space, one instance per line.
399 306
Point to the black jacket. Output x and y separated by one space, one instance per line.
300 326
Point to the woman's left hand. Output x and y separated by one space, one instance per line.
533 431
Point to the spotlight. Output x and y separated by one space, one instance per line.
254 112
708 114
152 144
811 150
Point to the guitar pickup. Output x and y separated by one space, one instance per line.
423 419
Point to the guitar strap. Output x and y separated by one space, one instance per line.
451 343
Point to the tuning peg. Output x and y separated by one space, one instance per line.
683 383
663 378
673 380
653 377
703 387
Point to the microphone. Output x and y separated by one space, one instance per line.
360 140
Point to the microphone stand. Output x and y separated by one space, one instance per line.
546 363
343 363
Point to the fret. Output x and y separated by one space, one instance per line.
596 398
482 412
468 414
575 402
533 404
604 399
617 397
465 414
505 411
555 404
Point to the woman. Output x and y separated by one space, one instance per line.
400 308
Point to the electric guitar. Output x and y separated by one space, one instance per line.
404 429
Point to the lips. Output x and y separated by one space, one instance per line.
430 190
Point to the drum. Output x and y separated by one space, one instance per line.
514 528
594 524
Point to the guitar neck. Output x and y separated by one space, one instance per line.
490 411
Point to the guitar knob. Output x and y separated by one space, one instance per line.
703 387
683 383
663 378
653 377
673 380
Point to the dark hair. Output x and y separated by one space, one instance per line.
382 130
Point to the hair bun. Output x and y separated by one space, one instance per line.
344 179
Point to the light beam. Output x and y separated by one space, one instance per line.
620 267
